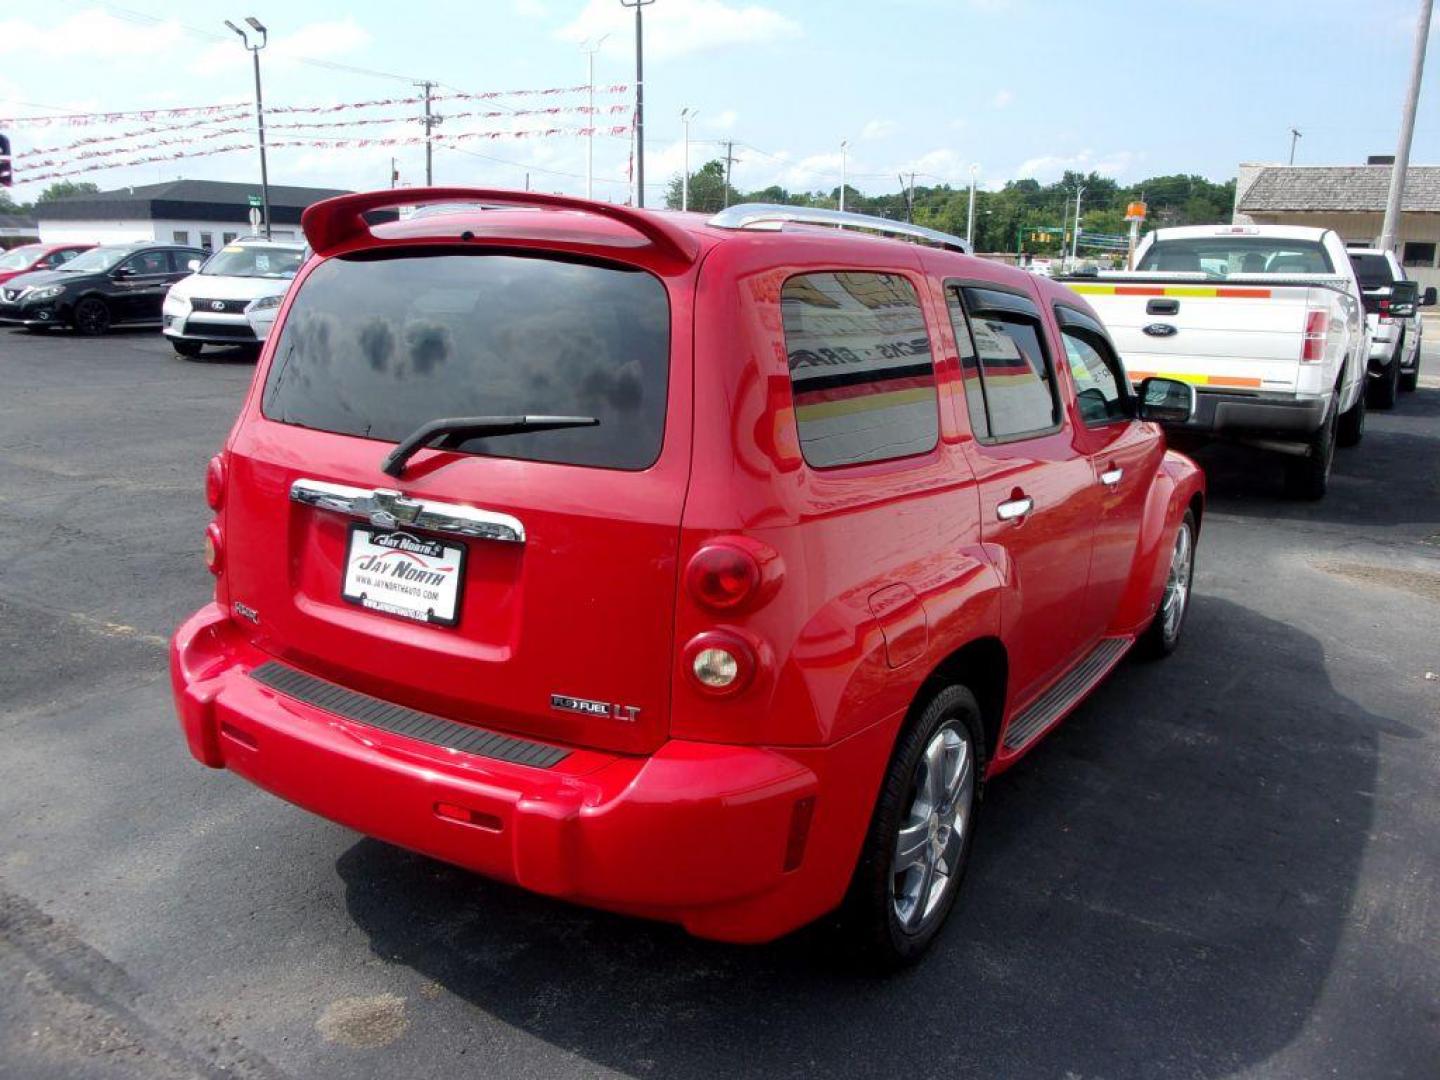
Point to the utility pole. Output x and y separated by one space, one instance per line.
638 5
909 196
1295 136
686 115
255 25
590 112
429 121
970 220
844 167
394 174
1407 131
729 161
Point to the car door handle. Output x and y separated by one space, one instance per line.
1014 509
1111 477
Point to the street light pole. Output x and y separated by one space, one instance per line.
1407 131
639 98
255 25
686 115
1295 136
844 170
1075 236
970 221
590 111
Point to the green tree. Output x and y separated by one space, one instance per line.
708 189
64 189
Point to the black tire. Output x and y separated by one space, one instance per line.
1162 636
870 918
1384 391
188 349
91 317
1308 477
1410 380
1351 428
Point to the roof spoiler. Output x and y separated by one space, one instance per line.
331 224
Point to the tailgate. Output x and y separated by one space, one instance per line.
1225 337
531 593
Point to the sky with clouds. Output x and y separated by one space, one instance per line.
1013 88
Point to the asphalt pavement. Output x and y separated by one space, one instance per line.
1226 864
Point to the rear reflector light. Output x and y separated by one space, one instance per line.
1317 327
463 815
720 663
214 548
800 816
215 482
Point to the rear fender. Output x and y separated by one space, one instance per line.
1176 483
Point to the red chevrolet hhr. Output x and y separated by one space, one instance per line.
695 568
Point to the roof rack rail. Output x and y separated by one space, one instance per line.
752 215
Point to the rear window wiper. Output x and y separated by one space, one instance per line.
452 430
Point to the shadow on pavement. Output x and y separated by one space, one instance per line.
1159 889
1391 478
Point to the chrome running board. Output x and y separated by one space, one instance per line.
1050 706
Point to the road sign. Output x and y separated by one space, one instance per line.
1135 211
255 202
254 217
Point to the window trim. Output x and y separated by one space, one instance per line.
960 284
1084 332
871 463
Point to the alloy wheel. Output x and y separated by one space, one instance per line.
931 839
1177 583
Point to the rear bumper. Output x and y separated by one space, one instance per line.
695 833
1217 413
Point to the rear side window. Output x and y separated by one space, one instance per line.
1009 381
860 368
375 346
1372 270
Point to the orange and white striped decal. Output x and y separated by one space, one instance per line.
1222 292
1198 380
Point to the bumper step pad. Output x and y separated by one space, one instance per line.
398 720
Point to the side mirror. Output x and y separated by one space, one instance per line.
1428 300
1166 401
124 271
193 265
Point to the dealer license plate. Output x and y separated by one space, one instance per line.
402 574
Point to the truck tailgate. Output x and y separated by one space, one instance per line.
1228 337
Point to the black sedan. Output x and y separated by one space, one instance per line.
106 286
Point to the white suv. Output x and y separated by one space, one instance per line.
1395 324
213 305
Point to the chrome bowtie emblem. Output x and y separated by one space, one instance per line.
390 508
217 305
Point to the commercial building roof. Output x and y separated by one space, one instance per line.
184 200
1339 188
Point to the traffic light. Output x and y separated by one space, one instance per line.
7 175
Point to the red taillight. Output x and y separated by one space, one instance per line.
1317 326
1384 307
214 547
215 482
722 576
720 663
733 573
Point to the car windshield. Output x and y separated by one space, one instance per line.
101 258
377 345
1222 256
1372 270
19 258
238 260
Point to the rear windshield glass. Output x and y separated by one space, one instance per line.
1372 270
1221 256
377 346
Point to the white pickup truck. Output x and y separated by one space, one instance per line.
1266 321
